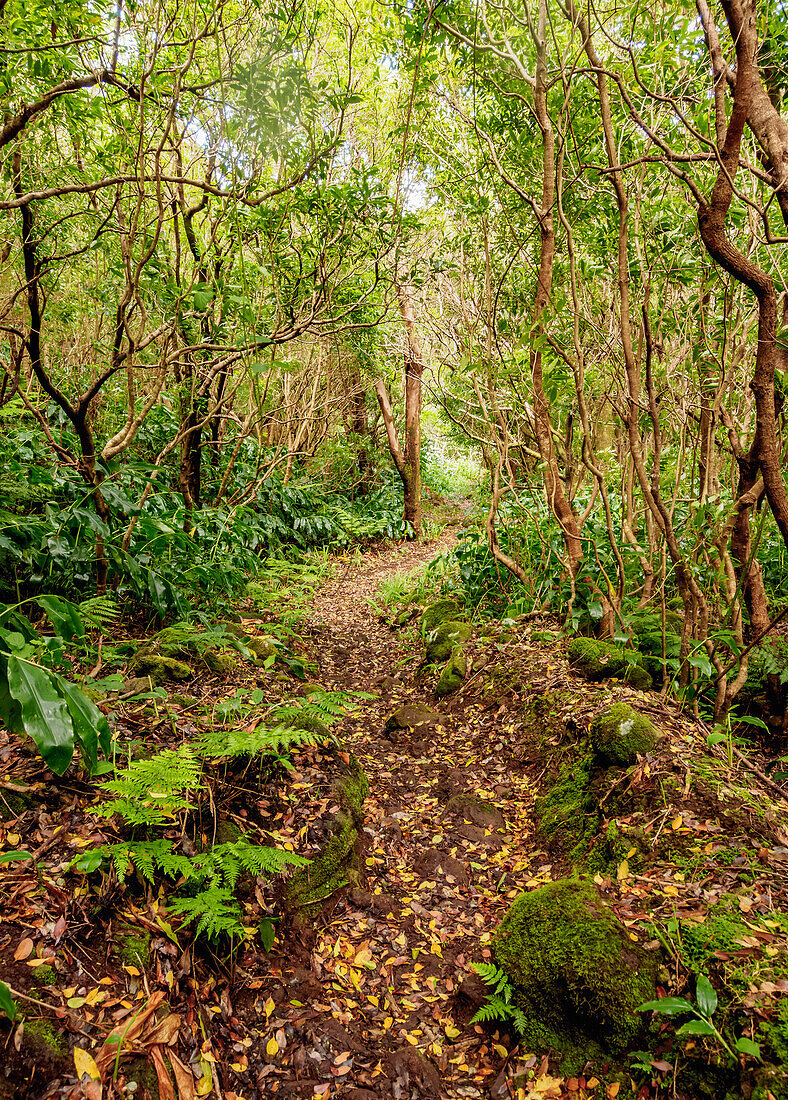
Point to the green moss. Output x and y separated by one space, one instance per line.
159 668
619 735
143 1072
618 843
13 803
43 1040
578 976
569 812
338 864
549 637
309 722
220 663
439 612
444 639
453 676
598 660
132 945
262 648
44 975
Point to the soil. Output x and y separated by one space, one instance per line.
371 996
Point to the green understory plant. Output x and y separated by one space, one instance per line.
498 1007
701 1023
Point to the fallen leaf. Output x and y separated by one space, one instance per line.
166 1091
184 1078
24 949
84 1064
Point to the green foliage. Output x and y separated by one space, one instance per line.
7 1003
701 1013
498 1007
38 701
154 791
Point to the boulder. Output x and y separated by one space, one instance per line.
453 676
413 716
598 660
445 638
619 735
439 612
578 976
158 668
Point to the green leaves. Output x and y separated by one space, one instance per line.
7 1003
43 712
668 1006
702 1013
707 997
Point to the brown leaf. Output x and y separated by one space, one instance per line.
126 1033
166 1091
24 949
163 1031
184 1078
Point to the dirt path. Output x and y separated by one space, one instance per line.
446 847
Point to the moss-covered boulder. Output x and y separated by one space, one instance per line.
439 612
157 668
453 676
261 647
339 863
619 735
444 639
578 976
598 660
569 813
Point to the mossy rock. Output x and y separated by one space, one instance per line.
132 945
158 668
547 637
476 811
45 1041
439 612
569 813
222 664
339 863
597 660
619 735
578 976
453 676
14 803
261 647
444 639
616 844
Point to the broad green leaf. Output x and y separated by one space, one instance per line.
707 998
747 1046
668 1006
7 1003
64 616
697 1027
13 857
45 715
91 727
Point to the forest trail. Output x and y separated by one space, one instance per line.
445 841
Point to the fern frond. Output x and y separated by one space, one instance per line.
215 910
99 612
151 792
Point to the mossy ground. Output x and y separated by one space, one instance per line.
132 945
597 660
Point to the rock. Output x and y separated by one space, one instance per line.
262 648
220 663
444 639
577 975
158 668
451 781
619 735
476 835
439 612
42 1039
470 995
135 685
413 716
433 862
413 1073
476 810
602 661
453 675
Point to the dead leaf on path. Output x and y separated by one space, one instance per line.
125 1034
166 1091
184 1078
164 1031
24 949
84 1064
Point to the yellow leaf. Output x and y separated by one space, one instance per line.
85 1064
631 853
623 870
501 1050
412 1040
388 1022
13 839
272 1047
671 891
373 1000
205 1084
677 822
451 1031
131 970
592 1082
269 1007
612 1090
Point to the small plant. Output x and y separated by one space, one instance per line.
499 1007
701 1024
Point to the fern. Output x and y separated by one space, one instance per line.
217 744
499 1007
99 612
151 792
215 910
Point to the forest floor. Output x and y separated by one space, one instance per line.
372 996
